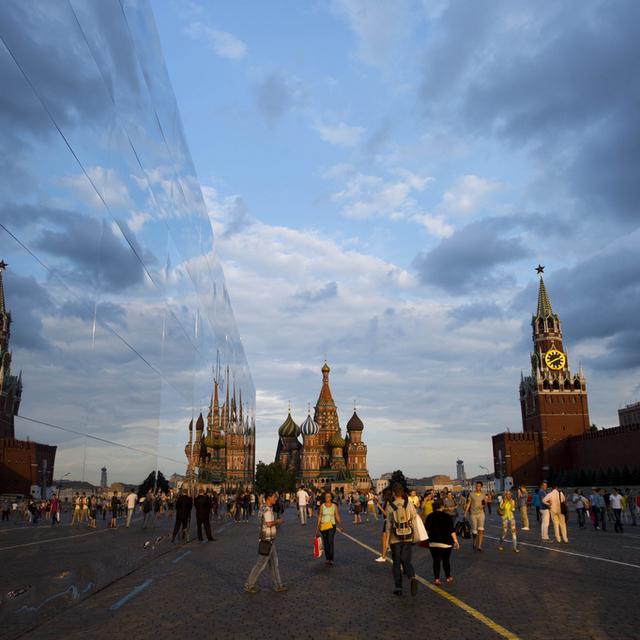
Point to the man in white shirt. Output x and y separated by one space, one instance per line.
615 501
303 499
554 500
132 499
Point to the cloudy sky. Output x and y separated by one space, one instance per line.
382 179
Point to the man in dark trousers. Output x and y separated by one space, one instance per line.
203 512
184 504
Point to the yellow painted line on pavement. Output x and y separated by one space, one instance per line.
480 617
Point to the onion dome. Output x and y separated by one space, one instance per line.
289 429
208 440
336 441
218 443
191 425
325 368
200 423
309 427
355 424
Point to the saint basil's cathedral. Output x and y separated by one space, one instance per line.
324 457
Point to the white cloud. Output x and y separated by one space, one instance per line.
103 184
380 27
435 225
340 134
225 44
366 196
468 195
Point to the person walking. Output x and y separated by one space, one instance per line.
555 500
631 506
442 539
523 507
55 510
581 504
507 511
597 510
203 513
615 500
302 498
75 519
131 501
371 506
400 526
387 498
184 504
147 509
475 504
451 506
113 524
328 520
267 554
545 514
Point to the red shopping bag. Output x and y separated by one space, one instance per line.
317 547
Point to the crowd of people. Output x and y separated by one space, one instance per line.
440 517
443 515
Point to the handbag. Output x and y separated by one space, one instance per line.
419 532
318 547
264 547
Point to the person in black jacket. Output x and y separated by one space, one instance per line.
442 538
203 513
184 504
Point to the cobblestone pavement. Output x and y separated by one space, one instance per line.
587 589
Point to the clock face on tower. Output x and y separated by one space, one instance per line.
555 359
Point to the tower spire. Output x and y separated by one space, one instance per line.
544 304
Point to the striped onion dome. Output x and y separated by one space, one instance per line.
289 429
309 427
336 440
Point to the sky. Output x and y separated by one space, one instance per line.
382 178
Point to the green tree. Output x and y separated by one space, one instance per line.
398 477
153 483
274 477
162 483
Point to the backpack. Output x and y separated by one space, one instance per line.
463 529
402 522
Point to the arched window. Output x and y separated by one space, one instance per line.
577 386
545 385
550 323
541 325
556 385
567 384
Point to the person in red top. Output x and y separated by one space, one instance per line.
55 510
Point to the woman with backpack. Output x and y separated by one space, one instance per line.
442 539
328 521
401 515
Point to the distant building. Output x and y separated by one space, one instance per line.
382 483
103 478
460 474
23 463
630 415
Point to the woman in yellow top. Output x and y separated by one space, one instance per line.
427 505
328 519
507 510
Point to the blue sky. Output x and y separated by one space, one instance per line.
383 177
